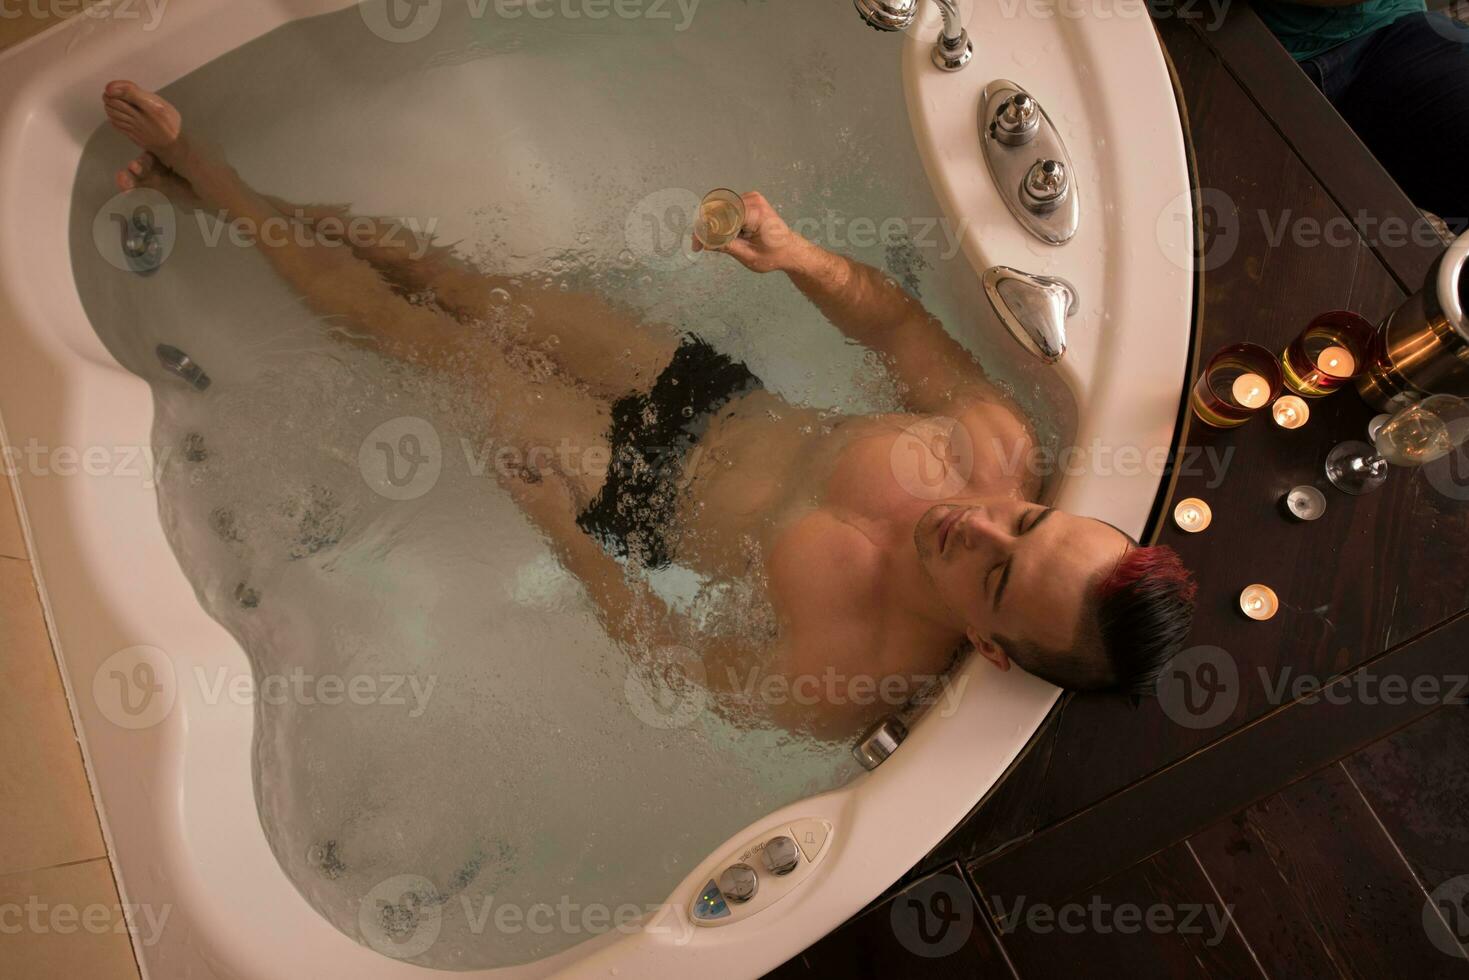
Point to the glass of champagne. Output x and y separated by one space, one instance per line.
721 218
1415 434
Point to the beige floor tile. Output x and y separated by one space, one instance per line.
46 812
12 545
66 924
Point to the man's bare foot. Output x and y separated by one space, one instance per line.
155 125
146 118
148 171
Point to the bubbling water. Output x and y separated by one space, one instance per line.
339 513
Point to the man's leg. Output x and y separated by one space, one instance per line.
1409 102
544 419
590 340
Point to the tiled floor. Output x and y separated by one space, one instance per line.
60 915
12 545
59 911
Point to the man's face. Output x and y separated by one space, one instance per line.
1015 569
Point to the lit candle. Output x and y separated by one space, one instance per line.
1259 602
1305 503
1192 515
1337 362
1290 412
1250 390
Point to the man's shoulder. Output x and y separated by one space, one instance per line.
1000 444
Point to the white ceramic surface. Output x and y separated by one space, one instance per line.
176 798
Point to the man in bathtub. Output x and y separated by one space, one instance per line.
882 545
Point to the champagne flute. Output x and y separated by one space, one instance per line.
721 218
1415 434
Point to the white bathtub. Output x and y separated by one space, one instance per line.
175 798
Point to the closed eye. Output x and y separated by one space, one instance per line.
1021 529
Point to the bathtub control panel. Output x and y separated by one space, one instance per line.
762 872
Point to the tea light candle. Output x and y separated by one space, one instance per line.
1250 390
1290 412
1259 602
1337 362
1305 503
1192 515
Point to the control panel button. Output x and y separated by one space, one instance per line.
739 883
811 836
781 855
710 904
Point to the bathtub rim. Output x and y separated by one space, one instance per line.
74 344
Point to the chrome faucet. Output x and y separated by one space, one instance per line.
953 49
1033 308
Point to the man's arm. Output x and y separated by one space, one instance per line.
631 612
934 370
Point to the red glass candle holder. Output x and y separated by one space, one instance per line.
1330 352
1238 382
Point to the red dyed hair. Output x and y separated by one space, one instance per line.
1144 611
1158 562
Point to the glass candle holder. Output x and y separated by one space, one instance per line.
1330 352
1237 382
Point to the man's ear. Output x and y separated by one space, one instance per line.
989 650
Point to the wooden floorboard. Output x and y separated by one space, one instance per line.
1319 887
934 928
1326 146
1417 783
1158 919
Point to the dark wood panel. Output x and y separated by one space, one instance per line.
1286 745
933 928
1324 142
1318 887
1417 782
1159 919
